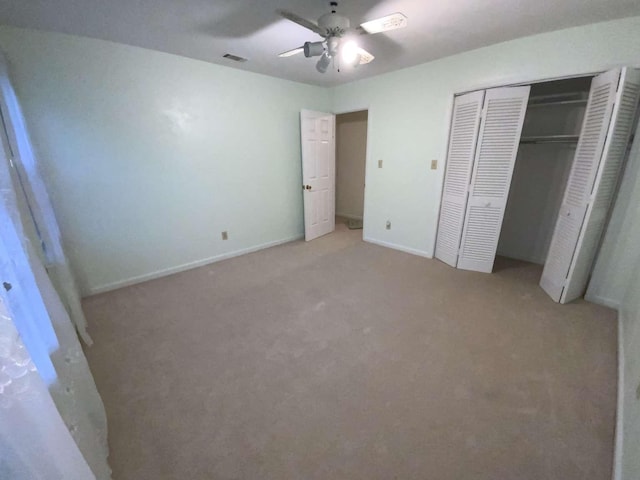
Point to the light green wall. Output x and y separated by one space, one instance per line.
143 150
620 250
149 156
630 407
410 109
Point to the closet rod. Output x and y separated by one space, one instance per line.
550 139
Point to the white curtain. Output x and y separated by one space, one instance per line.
38 203
53 423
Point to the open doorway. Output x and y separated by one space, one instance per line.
351 155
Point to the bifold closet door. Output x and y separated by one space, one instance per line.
462 147
498 141
592 183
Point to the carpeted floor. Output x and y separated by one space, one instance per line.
338 359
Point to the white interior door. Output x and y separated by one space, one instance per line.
498 141
462 147
318 172
592 183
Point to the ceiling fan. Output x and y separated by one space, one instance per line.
335 29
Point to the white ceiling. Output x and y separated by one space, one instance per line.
206 29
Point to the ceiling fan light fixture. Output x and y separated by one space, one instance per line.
350 54
323 63
337 45
365 57
313 49
383 24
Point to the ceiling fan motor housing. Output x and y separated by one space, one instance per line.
335 24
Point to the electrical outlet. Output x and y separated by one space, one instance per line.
388 226
379 163
225 236
434 164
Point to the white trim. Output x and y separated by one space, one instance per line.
607 302
412 251
187 266
349 216
619 438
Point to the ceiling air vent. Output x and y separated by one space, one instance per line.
235 58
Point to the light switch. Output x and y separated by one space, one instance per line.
379 163
434 164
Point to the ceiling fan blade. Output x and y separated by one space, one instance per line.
383 24
289 53
303 22
365 57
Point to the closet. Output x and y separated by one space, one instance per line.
547 146
531 173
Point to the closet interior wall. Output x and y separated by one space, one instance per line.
547 147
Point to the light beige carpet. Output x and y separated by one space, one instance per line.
338 359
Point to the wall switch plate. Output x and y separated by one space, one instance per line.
379 163
388 226
434 164
225 236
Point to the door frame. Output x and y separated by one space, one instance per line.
367 166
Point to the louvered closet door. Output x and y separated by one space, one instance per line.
580 183
592 183
499 138
462 146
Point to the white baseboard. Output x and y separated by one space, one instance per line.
349 216
619 439
412 251
187 266
607 302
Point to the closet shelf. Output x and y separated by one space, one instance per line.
558 98
550 139
554 103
